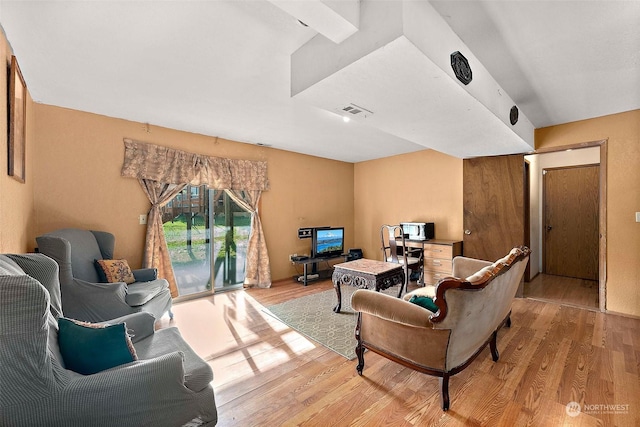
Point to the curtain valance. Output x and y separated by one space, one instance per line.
171 166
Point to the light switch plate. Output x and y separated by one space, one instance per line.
637 216
143 219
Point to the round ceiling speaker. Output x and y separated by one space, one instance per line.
513 115
461 67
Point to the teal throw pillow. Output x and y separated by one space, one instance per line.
425 302
88 348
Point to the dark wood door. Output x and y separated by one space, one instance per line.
493 200
571 221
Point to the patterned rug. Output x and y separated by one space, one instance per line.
313 316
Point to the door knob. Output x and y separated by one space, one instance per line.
467 232
549 228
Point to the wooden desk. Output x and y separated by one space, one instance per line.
438 257
367 274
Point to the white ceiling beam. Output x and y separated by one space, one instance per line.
336 20
397 69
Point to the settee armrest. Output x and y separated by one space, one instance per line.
140 325
145 274
390 308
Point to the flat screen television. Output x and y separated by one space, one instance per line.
327 242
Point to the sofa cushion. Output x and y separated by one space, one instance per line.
8 267
114 270
197 373
140 293
87 348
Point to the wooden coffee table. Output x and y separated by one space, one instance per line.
366 274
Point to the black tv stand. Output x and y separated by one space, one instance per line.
314 267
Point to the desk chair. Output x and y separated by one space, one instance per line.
410 258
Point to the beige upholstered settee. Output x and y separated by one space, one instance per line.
469 309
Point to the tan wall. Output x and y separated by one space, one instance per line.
78 157
73 179
422 186
16 199
623 198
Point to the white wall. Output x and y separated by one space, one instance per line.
537 163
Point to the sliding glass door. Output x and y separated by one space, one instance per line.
231 236
207 235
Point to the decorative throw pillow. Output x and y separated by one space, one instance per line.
424 302
494 269
114 270
87 348
481 275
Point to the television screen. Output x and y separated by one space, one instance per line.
328 242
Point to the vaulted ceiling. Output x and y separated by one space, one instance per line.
281 73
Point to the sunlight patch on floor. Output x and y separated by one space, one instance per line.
303 344
220 330
258 358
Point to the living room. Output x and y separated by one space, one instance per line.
74 159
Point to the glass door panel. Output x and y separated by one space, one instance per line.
207 235
231 235
187 230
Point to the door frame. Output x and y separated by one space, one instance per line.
527 221
602 212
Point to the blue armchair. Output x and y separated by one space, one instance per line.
84 297
168 385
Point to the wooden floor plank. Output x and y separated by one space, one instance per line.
266 374
564 290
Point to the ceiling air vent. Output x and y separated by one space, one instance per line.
357 110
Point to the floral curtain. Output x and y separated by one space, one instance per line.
258 272
156 252
163 172
168 165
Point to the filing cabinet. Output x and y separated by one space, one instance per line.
438 259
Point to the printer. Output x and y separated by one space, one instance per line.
418 230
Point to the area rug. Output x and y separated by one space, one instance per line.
313 316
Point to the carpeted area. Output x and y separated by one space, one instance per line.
313 316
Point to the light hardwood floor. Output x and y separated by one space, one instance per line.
563 290
269 375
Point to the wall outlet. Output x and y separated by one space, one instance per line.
143 219
291 257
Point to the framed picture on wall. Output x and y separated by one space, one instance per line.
17 122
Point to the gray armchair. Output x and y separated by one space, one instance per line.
169 385
83 296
